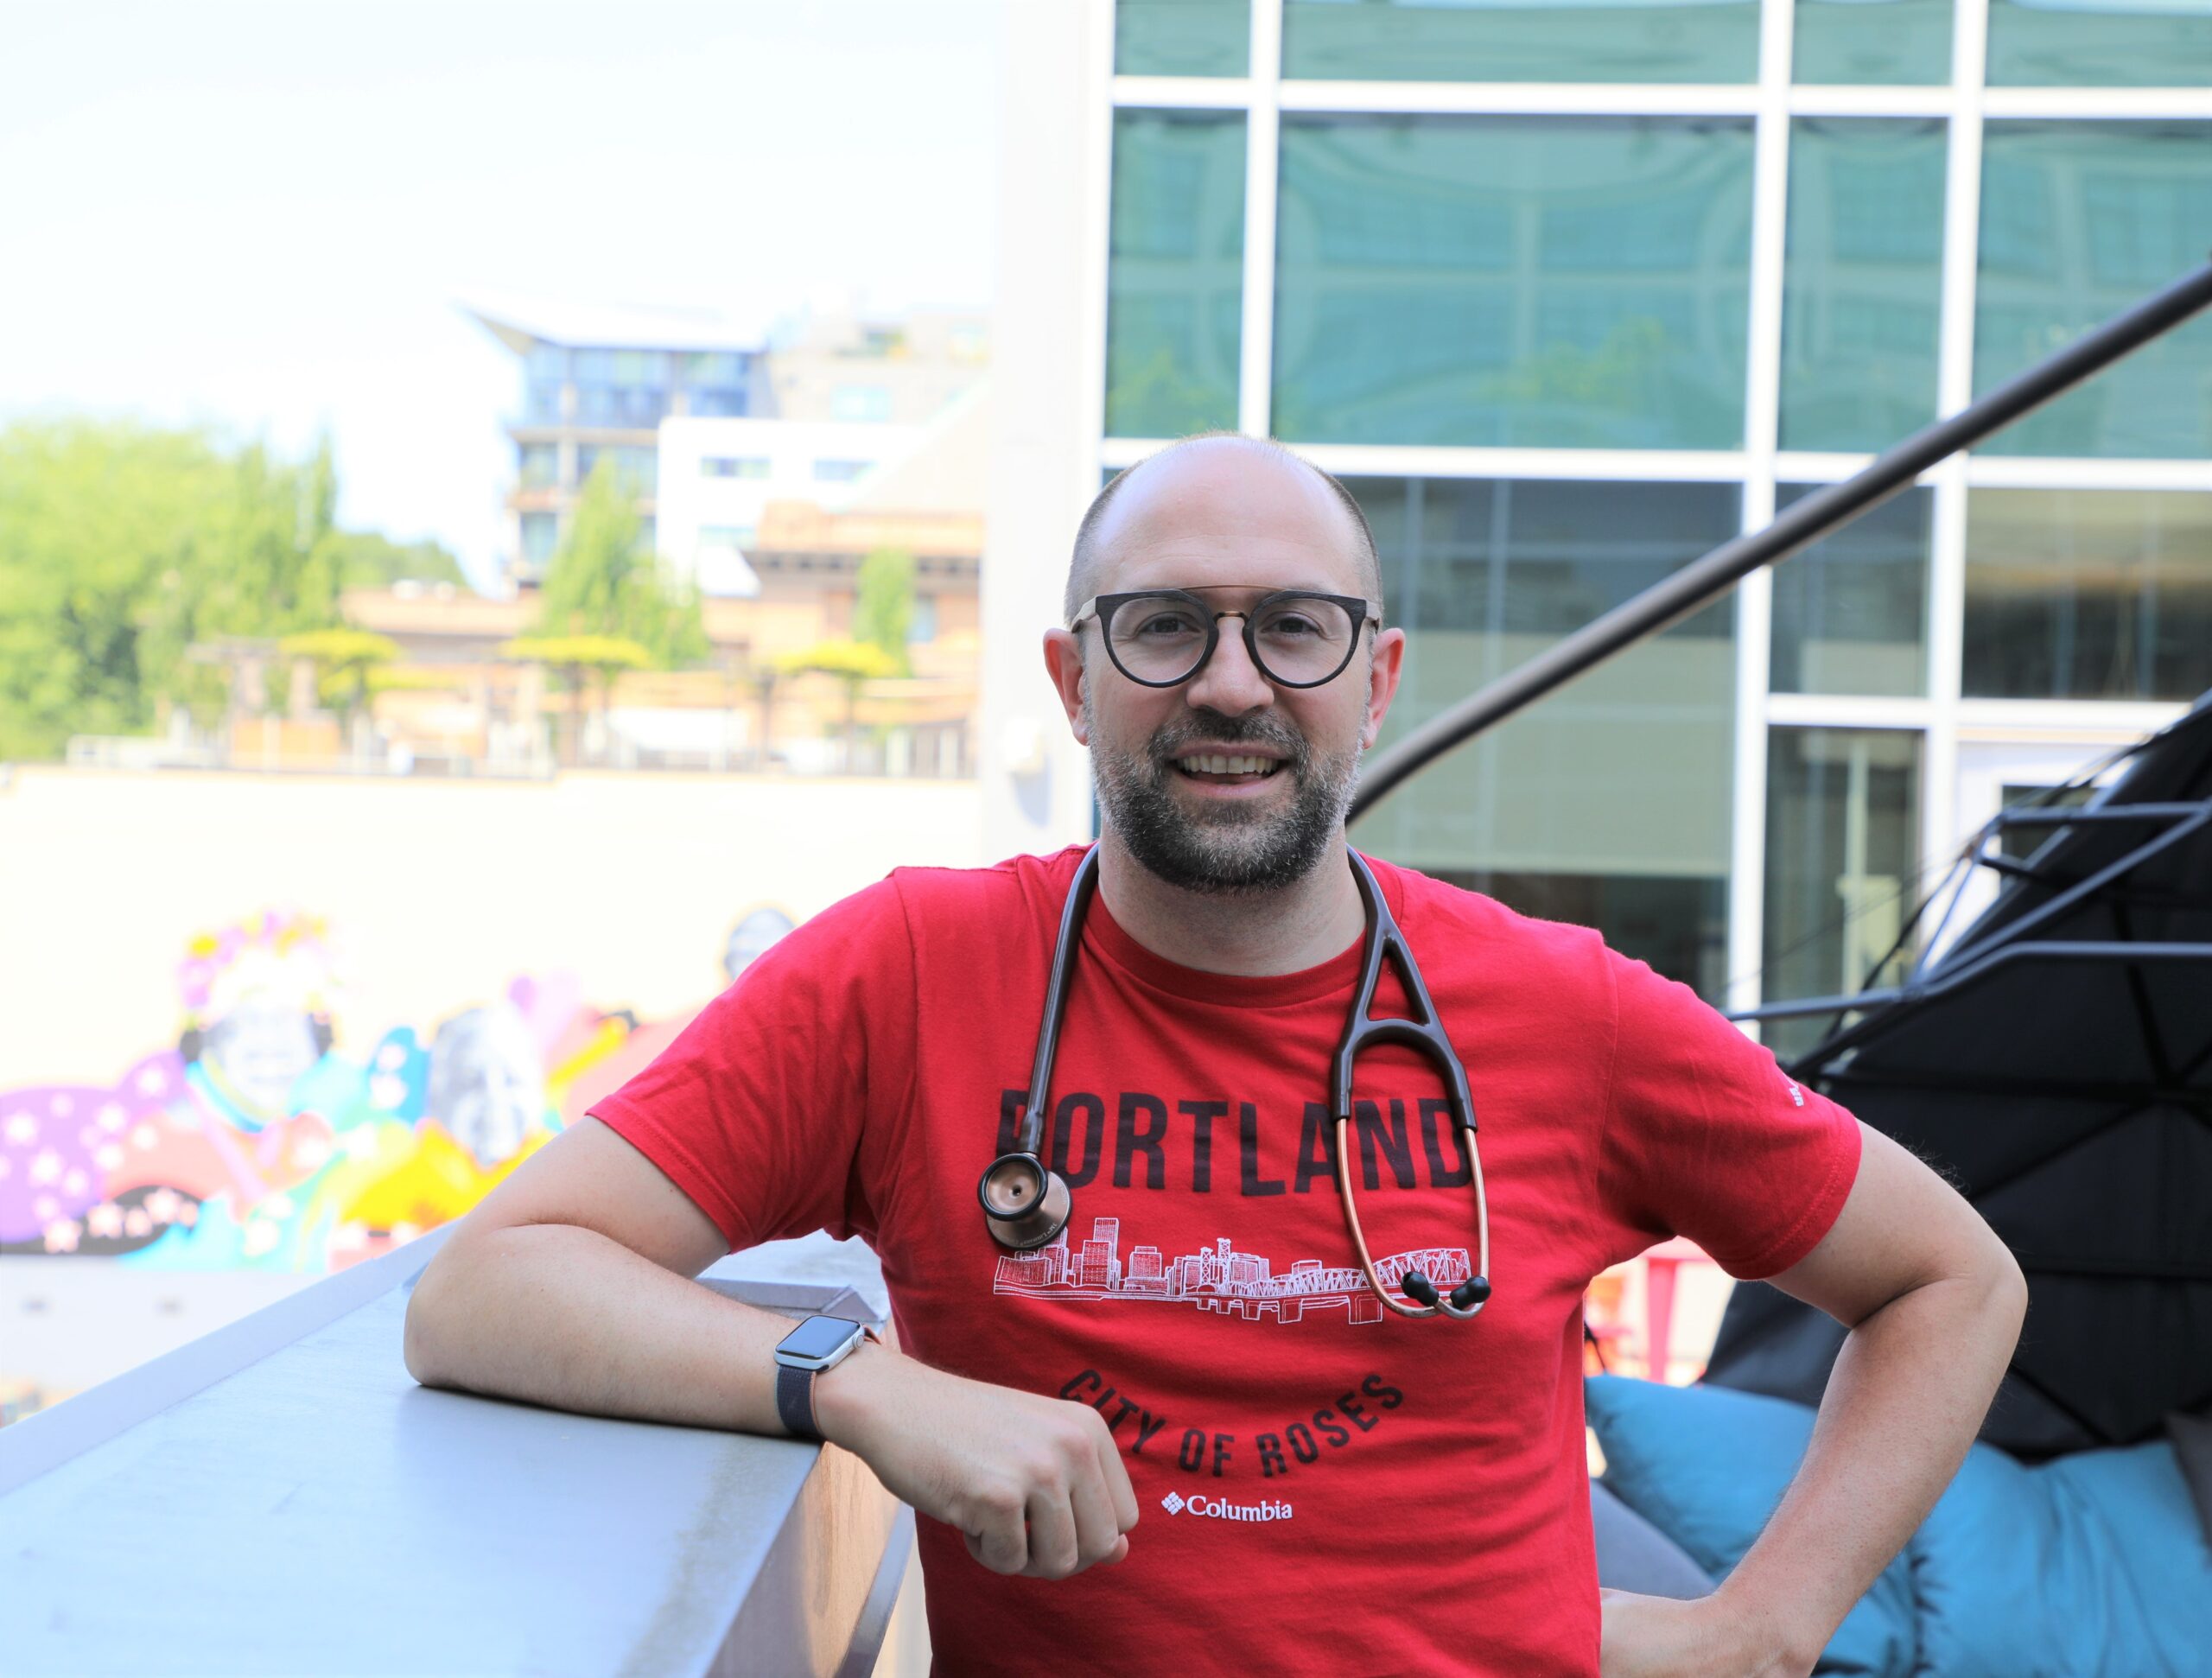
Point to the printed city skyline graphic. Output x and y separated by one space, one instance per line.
1216 1279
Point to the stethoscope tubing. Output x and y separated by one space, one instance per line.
1026 1204
1425 1033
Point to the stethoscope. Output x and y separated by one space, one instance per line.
1026 1204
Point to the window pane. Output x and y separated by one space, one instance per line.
1182 37
733 466
2075 593
545 369
637 470
1175 275
540 465
2100 43
1851 610
1564 282
540 534
715 382
1873 42
1842 841
1533 41
2079 220
1609 802
1861 283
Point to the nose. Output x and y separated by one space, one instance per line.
1231 682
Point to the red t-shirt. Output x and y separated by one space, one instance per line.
1324 1487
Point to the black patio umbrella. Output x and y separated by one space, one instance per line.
2055 1063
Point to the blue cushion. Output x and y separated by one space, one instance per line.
1635 1555
2093 1564
1707 1466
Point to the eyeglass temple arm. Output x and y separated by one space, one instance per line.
1031 1136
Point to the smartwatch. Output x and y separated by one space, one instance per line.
817 1343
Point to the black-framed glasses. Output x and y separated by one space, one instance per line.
1160 637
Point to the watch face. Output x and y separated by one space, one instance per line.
817 1338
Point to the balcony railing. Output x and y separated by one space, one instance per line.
281 1497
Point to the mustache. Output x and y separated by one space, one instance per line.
1205 728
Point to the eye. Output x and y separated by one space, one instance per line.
1293 621
1160 622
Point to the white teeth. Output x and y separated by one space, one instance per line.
1218 764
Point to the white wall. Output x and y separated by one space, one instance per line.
437 892
688 501
1047 347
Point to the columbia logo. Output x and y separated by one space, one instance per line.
1273 1509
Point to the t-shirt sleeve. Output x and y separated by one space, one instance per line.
1707 1137
762 1110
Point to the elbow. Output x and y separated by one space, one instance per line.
2005 1293
418 1335
2016 1293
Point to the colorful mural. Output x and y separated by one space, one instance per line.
258 1142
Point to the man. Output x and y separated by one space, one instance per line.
1324 1486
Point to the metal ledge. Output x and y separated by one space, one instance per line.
281 1497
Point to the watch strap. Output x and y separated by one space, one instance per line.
795 1401
795 1394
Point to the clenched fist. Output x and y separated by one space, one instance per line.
1037 1484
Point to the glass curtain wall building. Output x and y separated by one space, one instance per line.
583 401
1569 294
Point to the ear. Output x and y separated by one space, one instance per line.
1383 674
1063 663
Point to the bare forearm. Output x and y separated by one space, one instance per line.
562 1316
1907 1392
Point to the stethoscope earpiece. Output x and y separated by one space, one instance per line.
1469 1296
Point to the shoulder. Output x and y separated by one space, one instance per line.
940 903
1468 929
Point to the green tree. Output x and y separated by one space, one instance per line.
852 662
576 655
345 661
367 560
603 581
883 606
122 545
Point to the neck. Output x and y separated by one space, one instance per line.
1253 934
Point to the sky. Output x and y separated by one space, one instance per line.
259 214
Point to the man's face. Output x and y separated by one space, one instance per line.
1238 523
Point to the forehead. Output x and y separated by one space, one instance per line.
1221 512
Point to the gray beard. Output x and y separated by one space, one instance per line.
1234 851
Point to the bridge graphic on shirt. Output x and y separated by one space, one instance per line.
1216 1279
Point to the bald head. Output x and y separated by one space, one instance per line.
1217 478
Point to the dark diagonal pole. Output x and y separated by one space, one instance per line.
1802 523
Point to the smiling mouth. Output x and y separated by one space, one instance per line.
1230 768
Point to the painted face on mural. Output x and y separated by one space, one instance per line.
259 1048
486 1085
753 936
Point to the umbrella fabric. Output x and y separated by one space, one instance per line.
2055 1063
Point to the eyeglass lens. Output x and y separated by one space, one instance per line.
1163 638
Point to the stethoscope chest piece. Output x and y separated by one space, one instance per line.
1026 1204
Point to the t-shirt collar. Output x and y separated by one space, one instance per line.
1104 937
